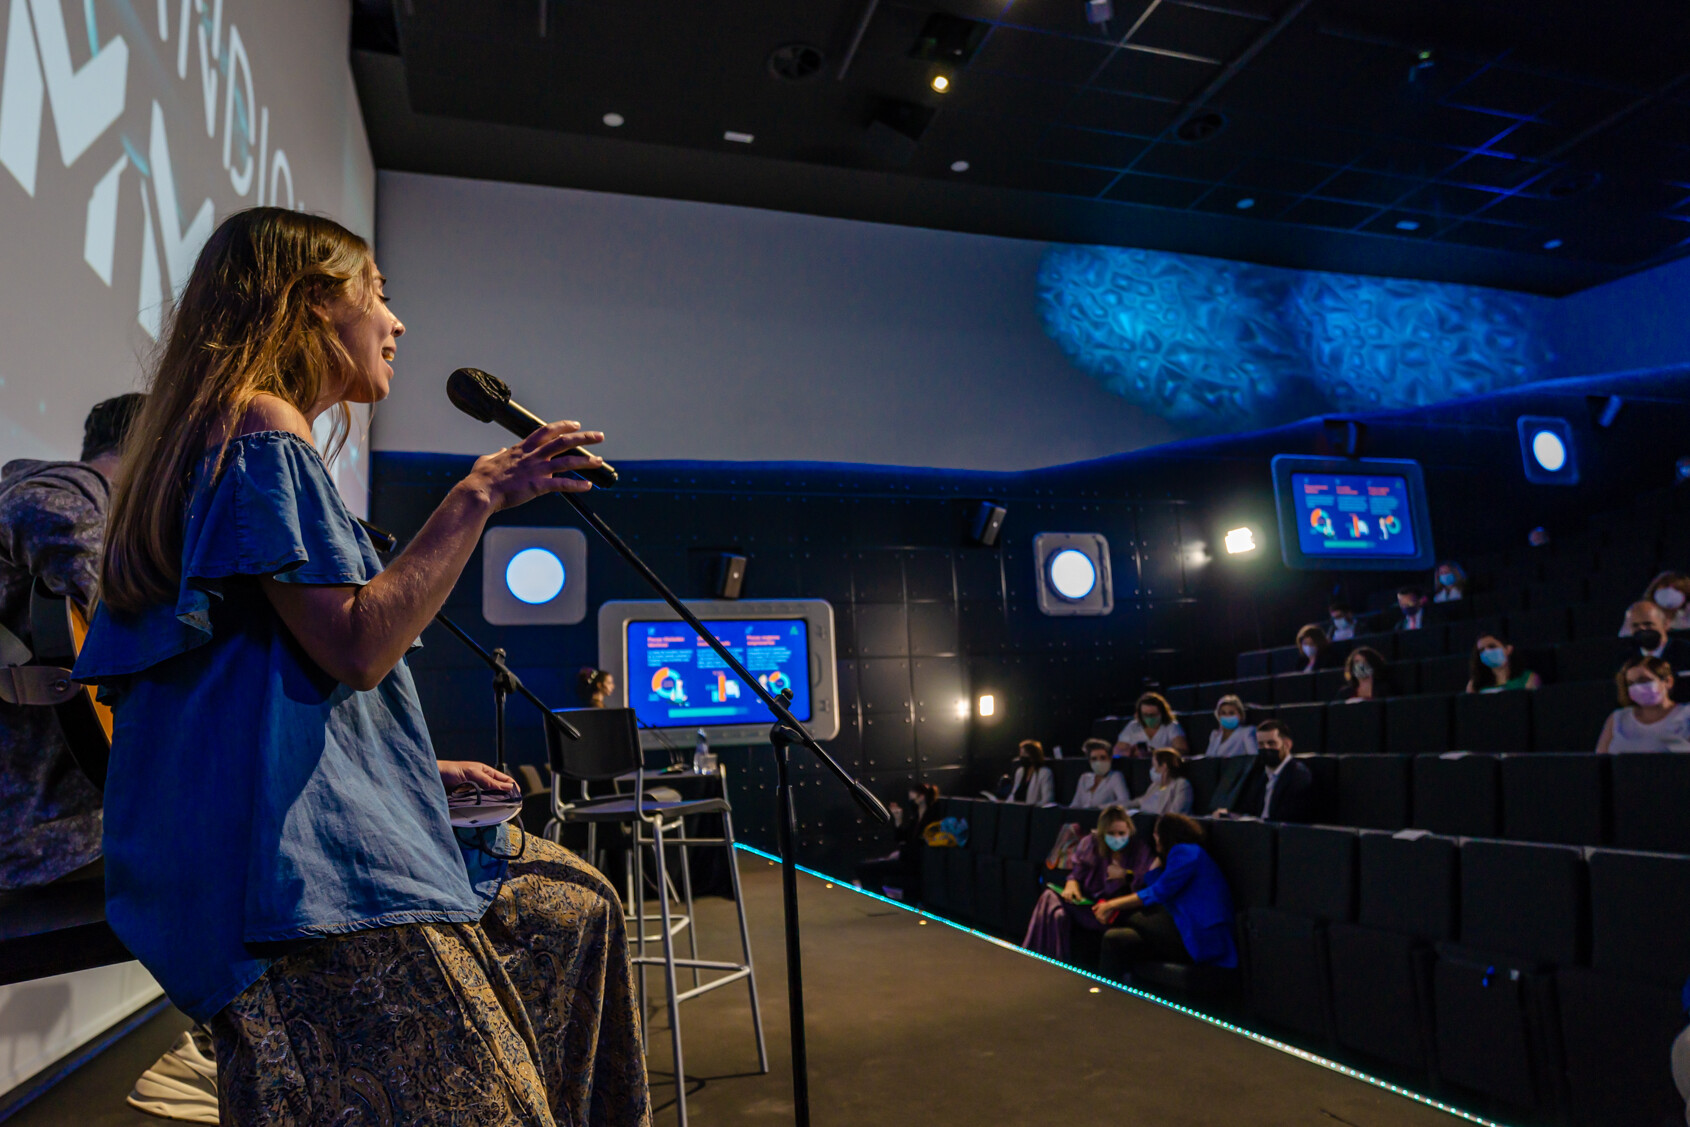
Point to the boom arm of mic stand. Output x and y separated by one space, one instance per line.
863 796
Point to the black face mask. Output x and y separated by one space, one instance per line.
1647 638
1268 758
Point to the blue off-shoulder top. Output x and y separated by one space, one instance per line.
253 799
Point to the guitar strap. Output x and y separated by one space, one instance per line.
36 684
12 649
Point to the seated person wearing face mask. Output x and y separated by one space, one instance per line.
1645 631
1492 669
1283 790
1109 861
1233 737
1449 582
1102 785
1033 782
1341 626
1365 677
1170 791
1670 590
1153 726
1647 719
1411 606
1183 914
1317 651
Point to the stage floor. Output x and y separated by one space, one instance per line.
909 1020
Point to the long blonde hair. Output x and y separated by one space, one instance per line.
252 320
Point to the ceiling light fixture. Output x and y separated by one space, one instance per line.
1408 224
940 84
614 120
1246 203
959 166
1552 244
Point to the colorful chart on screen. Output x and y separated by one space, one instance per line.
1349 515
677 681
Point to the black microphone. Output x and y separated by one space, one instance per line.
486 397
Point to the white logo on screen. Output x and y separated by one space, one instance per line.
84 103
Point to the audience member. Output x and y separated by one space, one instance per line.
1317 651
1233 737
1366 677
1491 669
1101 786
594 686
1450 581
1283 790
1033 782
1109 861
1670 590
903 864
1153 726
1646 626
1183 914
1538 537
1341 625
1170 791
1647 719
1411 605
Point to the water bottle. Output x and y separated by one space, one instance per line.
701 754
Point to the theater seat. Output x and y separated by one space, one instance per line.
1417 724
1457 794
1315 886
1293 688
1198 726
1592 659
1523 913
1493 721
1445 675
1559 797
1416 645
1619 1017
1381 966
1307 723
1374 790
1189 979
1254 663
1013 822
1068 773
1203 773
1023 876
1569 716
982 825
1254 690
1651 801
1355 729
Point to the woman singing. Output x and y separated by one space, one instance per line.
278 852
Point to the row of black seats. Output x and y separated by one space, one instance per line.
1561 717
1633 800
1542 977
1538 978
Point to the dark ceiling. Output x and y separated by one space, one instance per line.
1539 145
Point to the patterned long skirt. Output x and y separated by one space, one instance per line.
527 1017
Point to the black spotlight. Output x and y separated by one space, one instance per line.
949 39
987 523
1200 127
1343 438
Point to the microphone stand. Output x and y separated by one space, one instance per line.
786 732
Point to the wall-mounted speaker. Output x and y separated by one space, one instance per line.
1342 438
730 575
533 576
987 523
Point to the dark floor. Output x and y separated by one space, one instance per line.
910 1021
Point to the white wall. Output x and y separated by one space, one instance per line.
1642 321
689 330
117 162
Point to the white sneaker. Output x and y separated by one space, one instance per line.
182 1084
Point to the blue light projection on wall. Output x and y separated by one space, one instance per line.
1212 344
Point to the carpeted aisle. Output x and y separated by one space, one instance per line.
909 1022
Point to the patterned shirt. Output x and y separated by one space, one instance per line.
52 523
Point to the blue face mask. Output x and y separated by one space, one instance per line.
1229 722
1116 842
1494 656
1447 579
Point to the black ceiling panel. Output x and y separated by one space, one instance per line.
1408 122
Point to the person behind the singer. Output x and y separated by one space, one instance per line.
278 852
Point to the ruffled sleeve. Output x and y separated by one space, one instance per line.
272 510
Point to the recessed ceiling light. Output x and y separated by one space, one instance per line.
1245 204
1408 224
959 166
941 83
614 119
1552 244
741 138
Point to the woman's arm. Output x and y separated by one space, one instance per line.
1607 736
1180 744
358 634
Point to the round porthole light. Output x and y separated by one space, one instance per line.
1072 574
1549 450
534 575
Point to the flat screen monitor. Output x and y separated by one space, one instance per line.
676 683
1352 513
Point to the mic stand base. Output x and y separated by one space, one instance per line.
783 738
